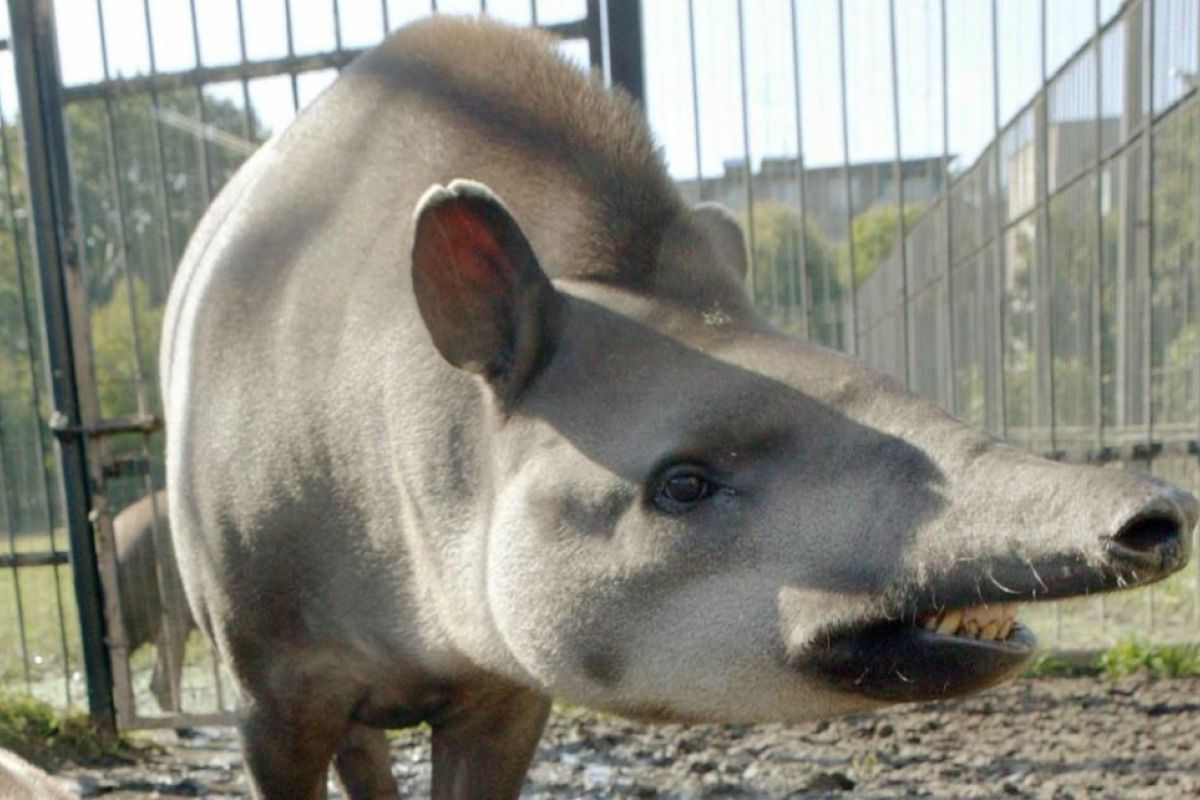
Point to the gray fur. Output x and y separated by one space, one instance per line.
145 557
372 537
20 780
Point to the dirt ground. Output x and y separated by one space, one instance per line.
1041 738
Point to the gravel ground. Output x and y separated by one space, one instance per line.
1043 738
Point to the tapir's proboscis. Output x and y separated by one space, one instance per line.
467 411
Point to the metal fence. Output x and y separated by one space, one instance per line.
1017 243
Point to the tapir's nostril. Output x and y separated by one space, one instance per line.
1154 541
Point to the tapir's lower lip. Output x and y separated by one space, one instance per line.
900 662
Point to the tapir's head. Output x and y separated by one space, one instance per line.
694 516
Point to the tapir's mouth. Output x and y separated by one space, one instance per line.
937 654
940 646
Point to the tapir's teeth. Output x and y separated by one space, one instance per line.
987 622
949 623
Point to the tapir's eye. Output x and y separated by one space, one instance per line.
682 488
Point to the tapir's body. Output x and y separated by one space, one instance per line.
20 780
153 610
440 454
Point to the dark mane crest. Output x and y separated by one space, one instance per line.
514 83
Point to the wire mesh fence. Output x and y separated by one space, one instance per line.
38 623
993 201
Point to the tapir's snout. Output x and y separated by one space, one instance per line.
949 627
1113 530
1156 541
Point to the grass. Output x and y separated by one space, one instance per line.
1128 657
44 661
1163 661
1052 665
34 730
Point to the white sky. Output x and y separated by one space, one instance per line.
768 37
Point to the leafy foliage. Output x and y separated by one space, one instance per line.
133 220
38 733
875 233
1164 661
777 250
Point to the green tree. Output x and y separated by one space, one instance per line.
1175 282
114 169
25 445
780 285
134 220
875 233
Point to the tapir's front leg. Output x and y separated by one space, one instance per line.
363 765
286 752
484 750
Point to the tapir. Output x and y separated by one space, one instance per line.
146 564
467 410
20 780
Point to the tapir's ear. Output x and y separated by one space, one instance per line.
722 229
486 302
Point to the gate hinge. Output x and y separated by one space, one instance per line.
62 428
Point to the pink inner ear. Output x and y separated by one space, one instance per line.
462 258
475 269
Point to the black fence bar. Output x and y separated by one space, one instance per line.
898 173
626 71
160 156
752 274
59 274
201 76
626 66
947 196
696 133
801 196
9 560
852 343
16 559
29 325
993 227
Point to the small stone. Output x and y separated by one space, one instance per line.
596 775
830 782
186 788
